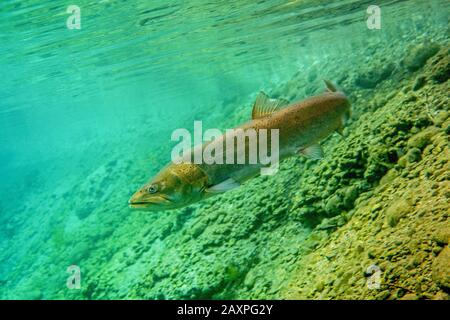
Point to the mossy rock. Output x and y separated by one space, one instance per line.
403 161
441 269
423 138
442 236
417 56
369 79
350 195
414 155
419 82
397 211
440 66
334 204
389 177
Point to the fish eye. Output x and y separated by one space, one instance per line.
152 188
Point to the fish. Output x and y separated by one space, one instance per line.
301 126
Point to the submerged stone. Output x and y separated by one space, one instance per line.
419 83
442 236
417 56
397 211
441 269
370 78
423 138
440 69
414 155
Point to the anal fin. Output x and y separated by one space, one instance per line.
330 86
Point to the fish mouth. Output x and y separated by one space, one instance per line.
154 202
139 205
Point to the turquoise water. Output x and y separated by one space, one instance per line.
86 115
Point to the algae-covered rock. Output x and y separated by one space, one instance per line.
441 269
423 138
375 171
441 296
403 161
410 296
397 211
350 195
334 204
417 56
370 78
389 177
440 66
331 223
419 82
442 235
413 155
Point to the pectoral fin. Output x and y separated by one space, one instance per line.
330 86
223 186
265 106
314 152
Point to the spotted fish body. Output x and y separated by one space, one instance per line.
301 126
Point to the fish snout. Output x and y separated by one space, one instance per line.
143 200
137 199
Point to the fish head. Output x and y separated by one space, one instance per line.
166 191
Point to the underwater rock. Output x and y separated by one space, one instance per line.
309 216
334 204
85 211
410 296
350 195
393 220
331 223
389 177
440 119
441 296
442 236
417 56
423 138
375 171
419 82
440 66
369 79
397 211
413 155
197 229
441 269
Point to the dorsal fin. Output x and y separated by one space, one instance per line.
330 86
265 106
